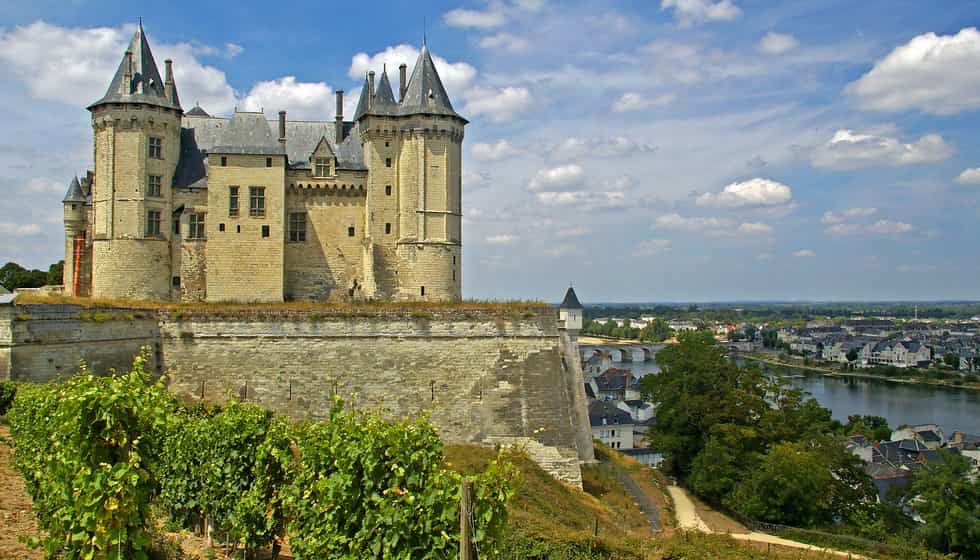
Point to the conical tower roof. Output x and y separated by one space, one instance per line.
384 98
364 101
74 193
425 93
571 300
144 84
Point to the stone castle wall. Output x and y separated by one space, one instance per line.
483 377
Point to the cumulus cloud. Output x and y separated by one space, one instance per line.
937 74
481 19
41 185
600 200
756 192
881 227
651 247
754 228
690 12
804 253
830 217
493 151
682 223
500 104
501 239
456 76
473 181
848 149
19 230
504 42
577 231
310 100
576 147
561 178
632 101
777 43
969 176
889 227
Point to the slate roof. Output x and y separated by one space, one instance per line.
384 98
571 300
197 111
74 193
145 85
425 93
363 101
247 133
604 413
615 379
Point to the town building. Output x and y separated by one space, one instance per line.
611 425
187 206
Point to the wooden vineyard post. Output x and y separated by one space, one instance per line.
465 529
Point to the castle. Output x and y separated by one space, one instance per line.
193 207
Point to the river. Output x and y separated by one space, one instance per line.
900 403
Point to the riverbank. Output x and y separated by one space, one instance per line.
959 384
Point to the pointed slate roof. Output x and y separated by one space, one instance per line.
364 101
197 111
74 193
425 93
384 98
570 301
247 133
145 84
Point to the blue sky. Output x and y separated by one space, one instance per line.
665 150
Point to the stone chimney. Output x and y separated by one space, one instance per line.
402 81
339 118
370 90
282 130
168 81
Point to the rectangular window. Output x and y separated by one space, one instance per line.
155 148
153 183
176 226
233 202
224 161
265 231
195 226
221 227
297 226
350 231
423 290
387 190
152 223
176 281
268 162
256 201
388 228
387 162
321 167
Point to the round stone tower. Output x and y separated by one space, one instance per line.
137 145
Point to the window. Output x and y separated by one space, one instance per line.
195 226
153 183
176 281
155 148
268 162
423 290
387 190
388 228
265 231
153 223
233 202
321 167
350 231
224 161
454 275
256 201
221 227
297 226
387 162
238 228
176 226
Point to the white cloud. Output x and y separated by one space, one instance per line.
777 43
602 200
889 227
494 151
804 253
756 192
309 101
763 257
42 185
754 228
577 231
632 101
836 218
505 42
651 247
500 104
473 181
969 176
843 230
501 239
689 12
848 149
19 230
681 223
881 227
456 76
575 147
937 74
474 18
561 178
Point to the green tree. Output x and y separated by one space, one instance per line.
657 330
949 503
13 277
852 355
952 360
872 427
770 337
56 273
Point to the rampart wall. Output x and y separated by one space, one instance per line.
487 377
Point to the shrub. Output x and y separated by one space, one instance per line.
8 389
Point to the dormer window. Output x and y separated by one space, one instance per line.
321 167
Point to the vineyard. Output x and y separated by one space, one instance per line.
107 459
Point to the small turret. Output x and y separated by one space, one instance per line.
74 202
570 312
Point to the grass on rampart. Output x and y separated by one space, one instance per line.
314 309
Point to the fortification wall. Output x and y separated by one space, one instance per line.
483 377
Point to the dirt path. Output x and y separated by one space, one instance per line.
16 517
688 519
643 501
